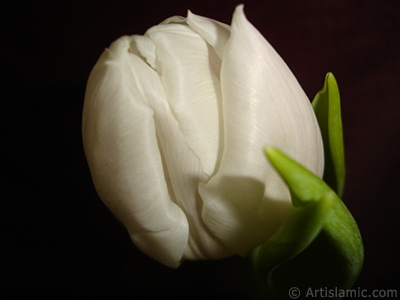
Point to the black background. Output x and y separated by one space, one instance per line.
59 239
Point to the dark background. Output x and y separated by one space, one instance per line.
59 239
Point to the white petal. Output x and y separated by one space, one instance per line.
183 166
214 32
120 143
263 104
174 19
142 46
192 88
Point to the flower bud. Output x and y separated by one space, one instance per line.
174 127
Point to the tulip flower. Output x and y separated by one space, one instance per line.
175 123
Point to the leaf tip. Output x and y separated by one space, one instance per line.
270 151
330 79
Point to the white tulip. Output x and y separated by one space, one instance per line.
174 127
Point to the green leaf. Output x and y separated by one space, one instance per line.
298 230
326 106
342 232
303 184
318 245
